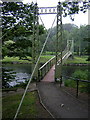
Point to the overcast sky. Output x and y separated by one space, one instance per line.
80 19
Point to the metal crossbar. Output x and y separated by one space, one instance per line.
47 10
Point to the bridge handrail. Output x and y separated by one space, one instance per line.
46 67
47 62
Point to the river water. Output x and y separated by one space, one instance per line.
14 74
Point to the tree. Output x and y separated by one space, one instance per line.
17 25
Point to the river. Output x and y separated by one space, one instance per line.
14 74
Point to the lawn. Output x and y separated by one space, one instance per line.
43 59
30 108
15 59
77 60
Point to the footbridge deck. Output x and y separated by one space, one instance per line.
47 71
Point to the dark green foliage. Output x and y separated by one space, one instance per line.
82 75
70 8
17 25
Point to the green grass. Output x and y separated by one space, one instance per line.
82 75
83 87
14 59
31 107
49 53
78 60
43 59
28 108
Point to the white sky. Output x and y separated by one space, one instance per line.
80 19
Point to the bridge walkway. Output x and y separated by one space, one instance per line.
49 77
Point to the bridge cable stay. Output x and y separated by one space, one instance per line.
34 70
42 23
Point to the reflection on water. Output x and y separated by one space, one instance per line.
15 74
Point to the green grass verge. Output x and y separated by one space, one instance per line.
49 53
83 87
77 60
31 108
43 59
28 109
15 59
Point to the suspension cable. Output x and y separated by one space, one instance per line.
42 22
33 71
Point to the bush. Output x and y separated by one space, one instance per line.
70 83
82 75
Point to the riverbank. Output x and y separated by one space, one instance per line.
77 60
16 60
31 102
31 107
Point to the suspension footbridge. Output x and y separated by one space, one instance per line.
51 71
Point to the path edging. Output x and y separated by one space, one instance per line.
43 104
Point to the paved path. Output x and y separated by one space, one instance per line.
59 103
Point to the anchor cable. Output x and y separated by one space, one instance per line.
33 71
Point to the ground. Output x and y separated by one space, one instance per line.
31 107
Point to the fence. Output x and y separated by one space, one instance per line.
77 83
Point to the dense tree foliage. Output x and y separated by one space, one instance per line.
80 36
17 28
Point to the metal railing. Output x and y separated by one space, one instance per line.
77 83
43 70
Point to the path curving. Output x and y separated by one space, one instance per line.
59 103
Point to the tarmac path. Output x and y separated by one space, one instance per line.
59 103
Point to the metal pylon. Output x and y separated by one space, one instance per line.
70 45
35 39
58 66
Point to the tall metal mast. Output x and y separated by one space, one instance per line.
35 42
58 66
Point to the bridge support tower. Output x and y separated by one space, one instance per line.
35 40
58 65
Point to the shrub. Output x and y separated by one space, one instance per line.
82 75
